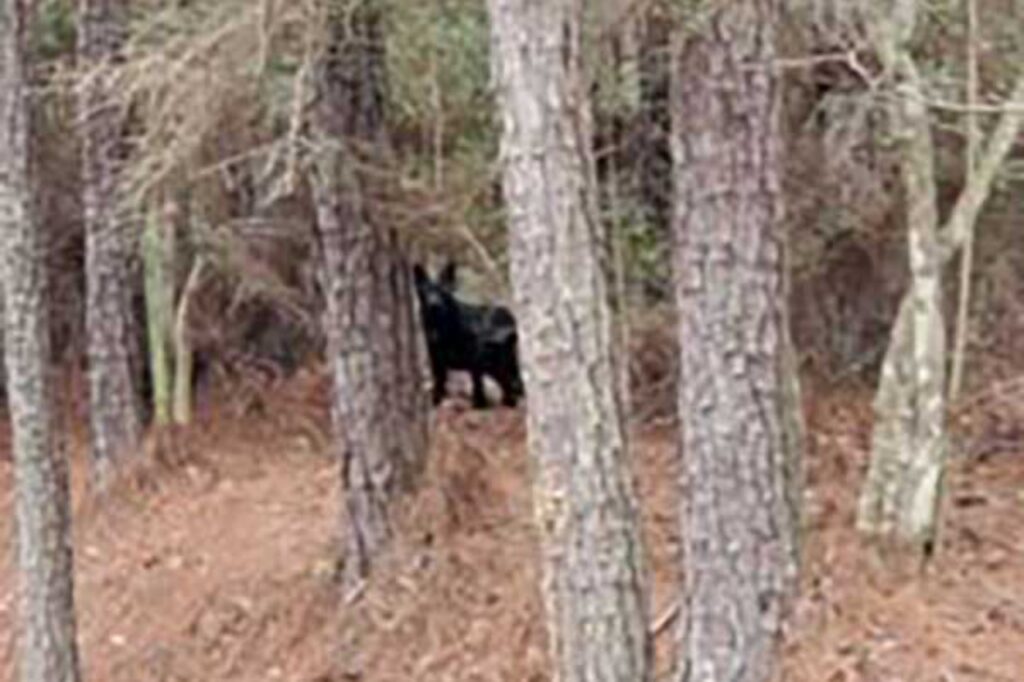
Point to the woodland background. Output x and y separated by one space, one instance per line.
214 560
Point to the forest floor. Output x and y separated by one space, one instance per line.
217 562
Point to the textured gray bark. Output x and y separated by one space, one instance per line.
909 443
109 245
901 496
379 408
593 565
738 398
46 596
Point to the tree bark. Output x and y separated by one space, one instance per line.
48 649
115 414
158 288
909 444
379 407
184 356
901 496
594 584
738 399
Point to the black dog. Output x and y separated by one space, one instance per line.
479 339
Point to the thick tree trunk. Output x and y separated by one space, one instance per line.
593 565
738 397
379 407
109 247
48 649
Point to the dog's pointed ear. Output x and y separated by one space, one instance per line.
419 275
448 277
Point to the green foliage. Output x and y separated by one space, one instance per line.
442 118
55 33
441 47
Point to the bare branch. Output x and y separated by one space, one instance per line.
968 205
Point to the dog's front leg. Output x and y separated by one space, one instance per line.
479 397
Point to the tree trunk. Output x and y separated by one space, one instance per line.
184 358
379 406
593 566
48 648
738 395
157 255
901 496
115 415
909 444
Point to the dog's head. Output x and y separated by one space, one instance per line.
437 300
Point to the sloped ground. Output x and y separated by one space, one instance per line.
216 563
961 617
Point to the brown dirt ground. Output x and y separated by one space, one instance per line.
215 563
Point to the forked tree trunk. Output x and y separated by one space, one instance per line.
114 410
738 396
909 444
379 407
46 595
901 497
593 564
